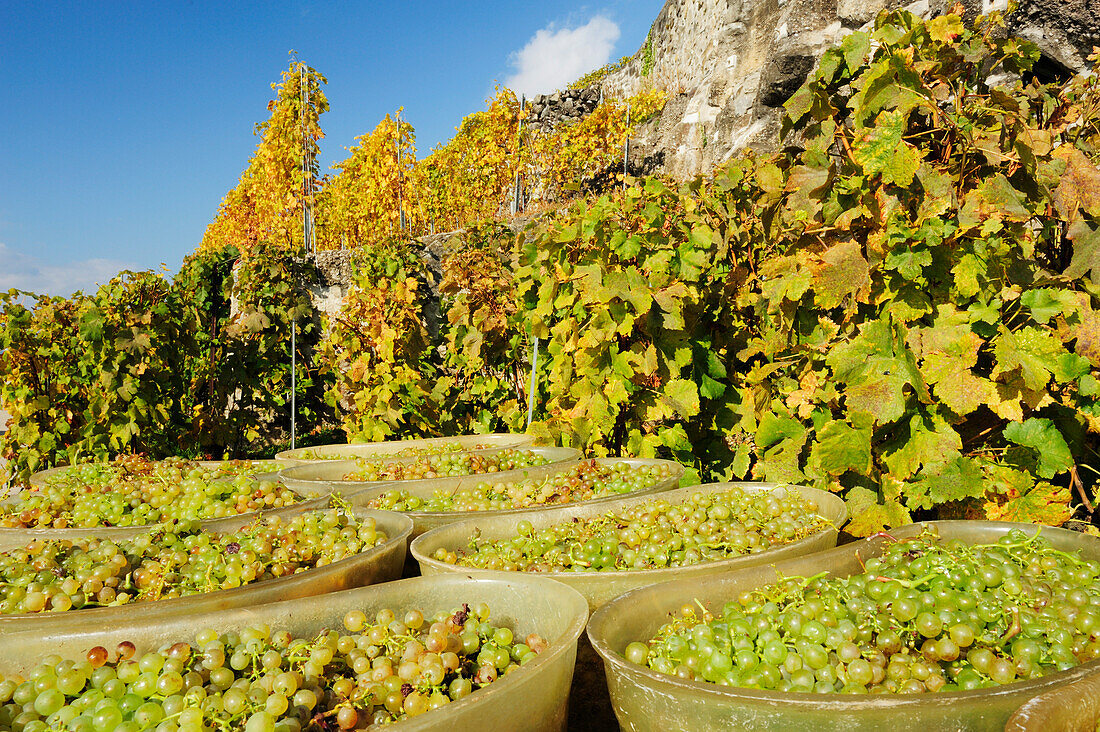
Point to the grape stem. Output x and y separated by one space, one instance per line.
909 584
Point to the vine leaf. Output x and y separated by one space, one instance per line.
683 396
881 150
1079 186
1042 303
880 393
1043 504
1087 332
868 516
931 443
1086 249
774 429
966 272
1043 437
1028 350
956 480
840 448
843 272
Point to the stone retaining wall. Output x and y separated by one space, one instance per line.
565 106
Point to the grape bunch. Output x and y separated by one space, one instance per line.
169 470
446 465
175 560
435 448
381 669
580 482
703 527
132 491
924 617
311 454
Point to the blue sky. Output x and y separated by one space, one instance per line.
126 122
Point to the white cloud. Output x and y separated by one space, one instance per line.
554 57
24 272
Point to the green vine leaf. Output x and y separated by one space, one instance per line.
1043 437
868 516
930 444
840 448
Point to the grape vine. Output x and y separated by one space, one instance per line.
265 208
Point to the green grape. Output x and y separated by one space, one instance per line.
435 448
700 528
376 670
444 465
926 616
132 491
176 559
583 481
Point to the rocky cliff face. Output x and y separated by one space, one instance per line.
729 65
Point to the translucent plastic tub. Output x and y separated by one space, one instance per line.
1074 707
646 700
382 563
424 521
390 447
600 587
591 705
324 477
532 698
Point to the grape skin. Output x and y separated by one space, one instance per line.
380 669
927 616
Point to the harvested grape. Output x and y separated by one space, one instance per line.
175 560
926 616
435 448
702 527
378 670
580 482
132 491
447 465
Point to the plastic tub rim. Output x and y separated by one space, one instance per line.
1081 704
806 700
446 568
168 604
